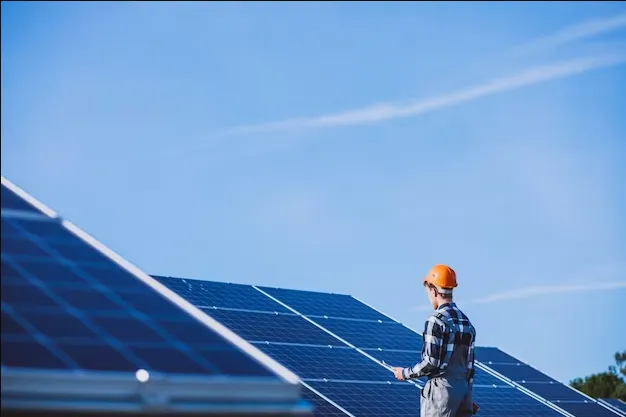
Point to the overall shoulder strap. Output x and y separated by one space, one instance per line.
445 317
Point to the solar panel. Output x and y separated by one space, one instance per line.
89 317
378 399
312 353
520 372
316 304
348 318
494 355
343 375
222 295
589 409
319 362
552 391
322 408
615 403
540 384
272 327
373 334
67 306
509 402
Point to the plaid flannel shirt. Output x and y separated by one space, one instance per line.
444 330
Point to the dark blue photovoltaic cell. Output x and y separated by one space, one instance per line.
491 354
395 358
47 230
312 303
271 327
52 240
26 352
406 359
520 373
620 405
318 362
544 386
372 399
586 409
483 378
219 294
372 334
66 306
321 407
509 402
8 230
11 201
554 391
568 399
58 274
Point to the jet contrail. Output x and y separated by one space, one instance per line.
382 112
540 290
583 30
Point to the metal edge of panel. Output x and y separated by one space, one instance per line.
85 391
44 210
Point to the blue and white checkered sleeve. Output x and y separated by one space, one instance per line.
433 350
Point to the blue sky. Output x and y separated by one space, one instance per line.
344 148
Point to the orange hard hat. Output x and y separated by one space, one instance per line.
441 276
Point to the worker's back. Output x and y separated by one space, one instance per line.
459 340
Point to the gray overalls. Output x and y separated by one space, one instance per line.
450 394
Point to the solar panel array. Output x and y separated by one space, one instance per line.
539 383
69 304
68 307
336 344
326 365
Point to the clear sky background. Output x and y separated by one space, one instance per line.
344 148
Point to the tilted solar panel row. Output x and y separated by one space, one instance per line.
369 333
84 330
616 404
338 351
330 369
527 377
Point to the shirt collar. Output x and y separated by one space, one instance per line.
446 305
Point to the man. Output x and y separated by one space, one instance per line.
447 352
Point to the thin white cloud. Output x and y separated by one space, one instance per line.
540 290
387 111
577 32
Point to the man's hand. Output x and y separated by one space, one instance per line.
398 373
